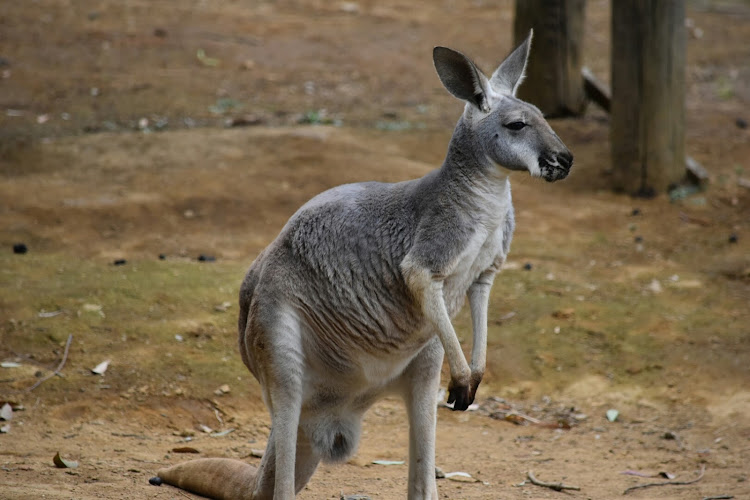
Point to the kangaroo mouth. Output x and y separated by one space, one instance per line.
557 168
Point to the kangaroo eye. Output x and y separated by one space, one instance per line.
515 125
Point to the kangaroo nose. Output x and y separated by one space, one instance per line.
565 159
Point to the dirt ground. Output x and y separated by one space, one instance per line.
156 132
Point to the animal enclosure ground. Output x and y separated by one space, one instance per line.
137 128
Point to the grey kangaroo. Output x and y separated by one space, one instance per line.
354 299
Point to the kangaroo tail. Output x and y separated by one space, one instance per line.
217 478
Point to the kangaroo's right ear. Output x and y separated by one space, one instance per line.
461 77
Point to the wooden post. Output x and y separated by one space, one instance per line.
554 83
647 132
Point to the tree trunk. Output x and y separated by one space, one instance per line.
647 132
554 83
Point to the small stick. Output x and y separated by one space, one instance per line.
554 486
57 370
668 483
719 497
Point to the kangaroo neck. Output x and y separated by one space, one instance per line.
466 168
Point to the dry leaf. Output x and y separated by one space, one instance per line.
461 477
101 367
61 463
185 449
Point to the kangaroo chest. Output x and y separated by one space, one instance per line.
484 251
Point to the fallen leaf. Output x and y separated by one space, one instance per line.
223 307
205 60
185 449
461 477
48 314
61 463
101 367
564 313
388 462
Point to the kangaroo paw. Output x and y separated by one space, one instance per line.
217 478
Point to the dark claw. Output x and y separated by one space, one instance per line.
461 397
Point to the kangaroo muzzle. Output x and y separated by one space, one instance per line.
556 167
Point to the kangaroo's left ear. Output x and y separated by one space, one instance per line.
508 76
461 77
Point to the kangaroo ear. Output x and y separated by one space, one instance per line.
508 76
461 77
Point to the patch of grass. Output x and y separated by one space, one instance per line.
130 314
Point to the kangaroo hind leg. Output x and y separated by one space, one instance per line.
419 384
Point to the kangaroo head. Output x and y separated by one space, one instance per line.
510 132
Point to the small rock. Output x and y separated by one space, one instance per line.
162 256
349 7
527 266
206 258
20 248
741 123
160 32
635 212
654 286
638 239
733 238
6 412
155 481
120 262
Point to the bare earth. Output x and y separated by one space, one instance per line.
117 142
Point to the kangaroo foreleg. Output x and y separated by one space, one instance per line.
479 296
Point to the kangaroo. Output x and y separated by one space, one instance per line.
354 299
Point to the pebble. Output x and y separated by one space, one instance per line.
636 211
120 262
527 266
733 238
741 123
206 258
155 481
20 248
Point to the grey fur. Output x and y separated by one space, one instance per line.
353 299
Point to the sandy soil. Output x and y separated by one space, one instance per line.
136 128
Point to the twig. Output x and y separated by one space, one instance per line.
719 497
554 486
57 370
667 483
